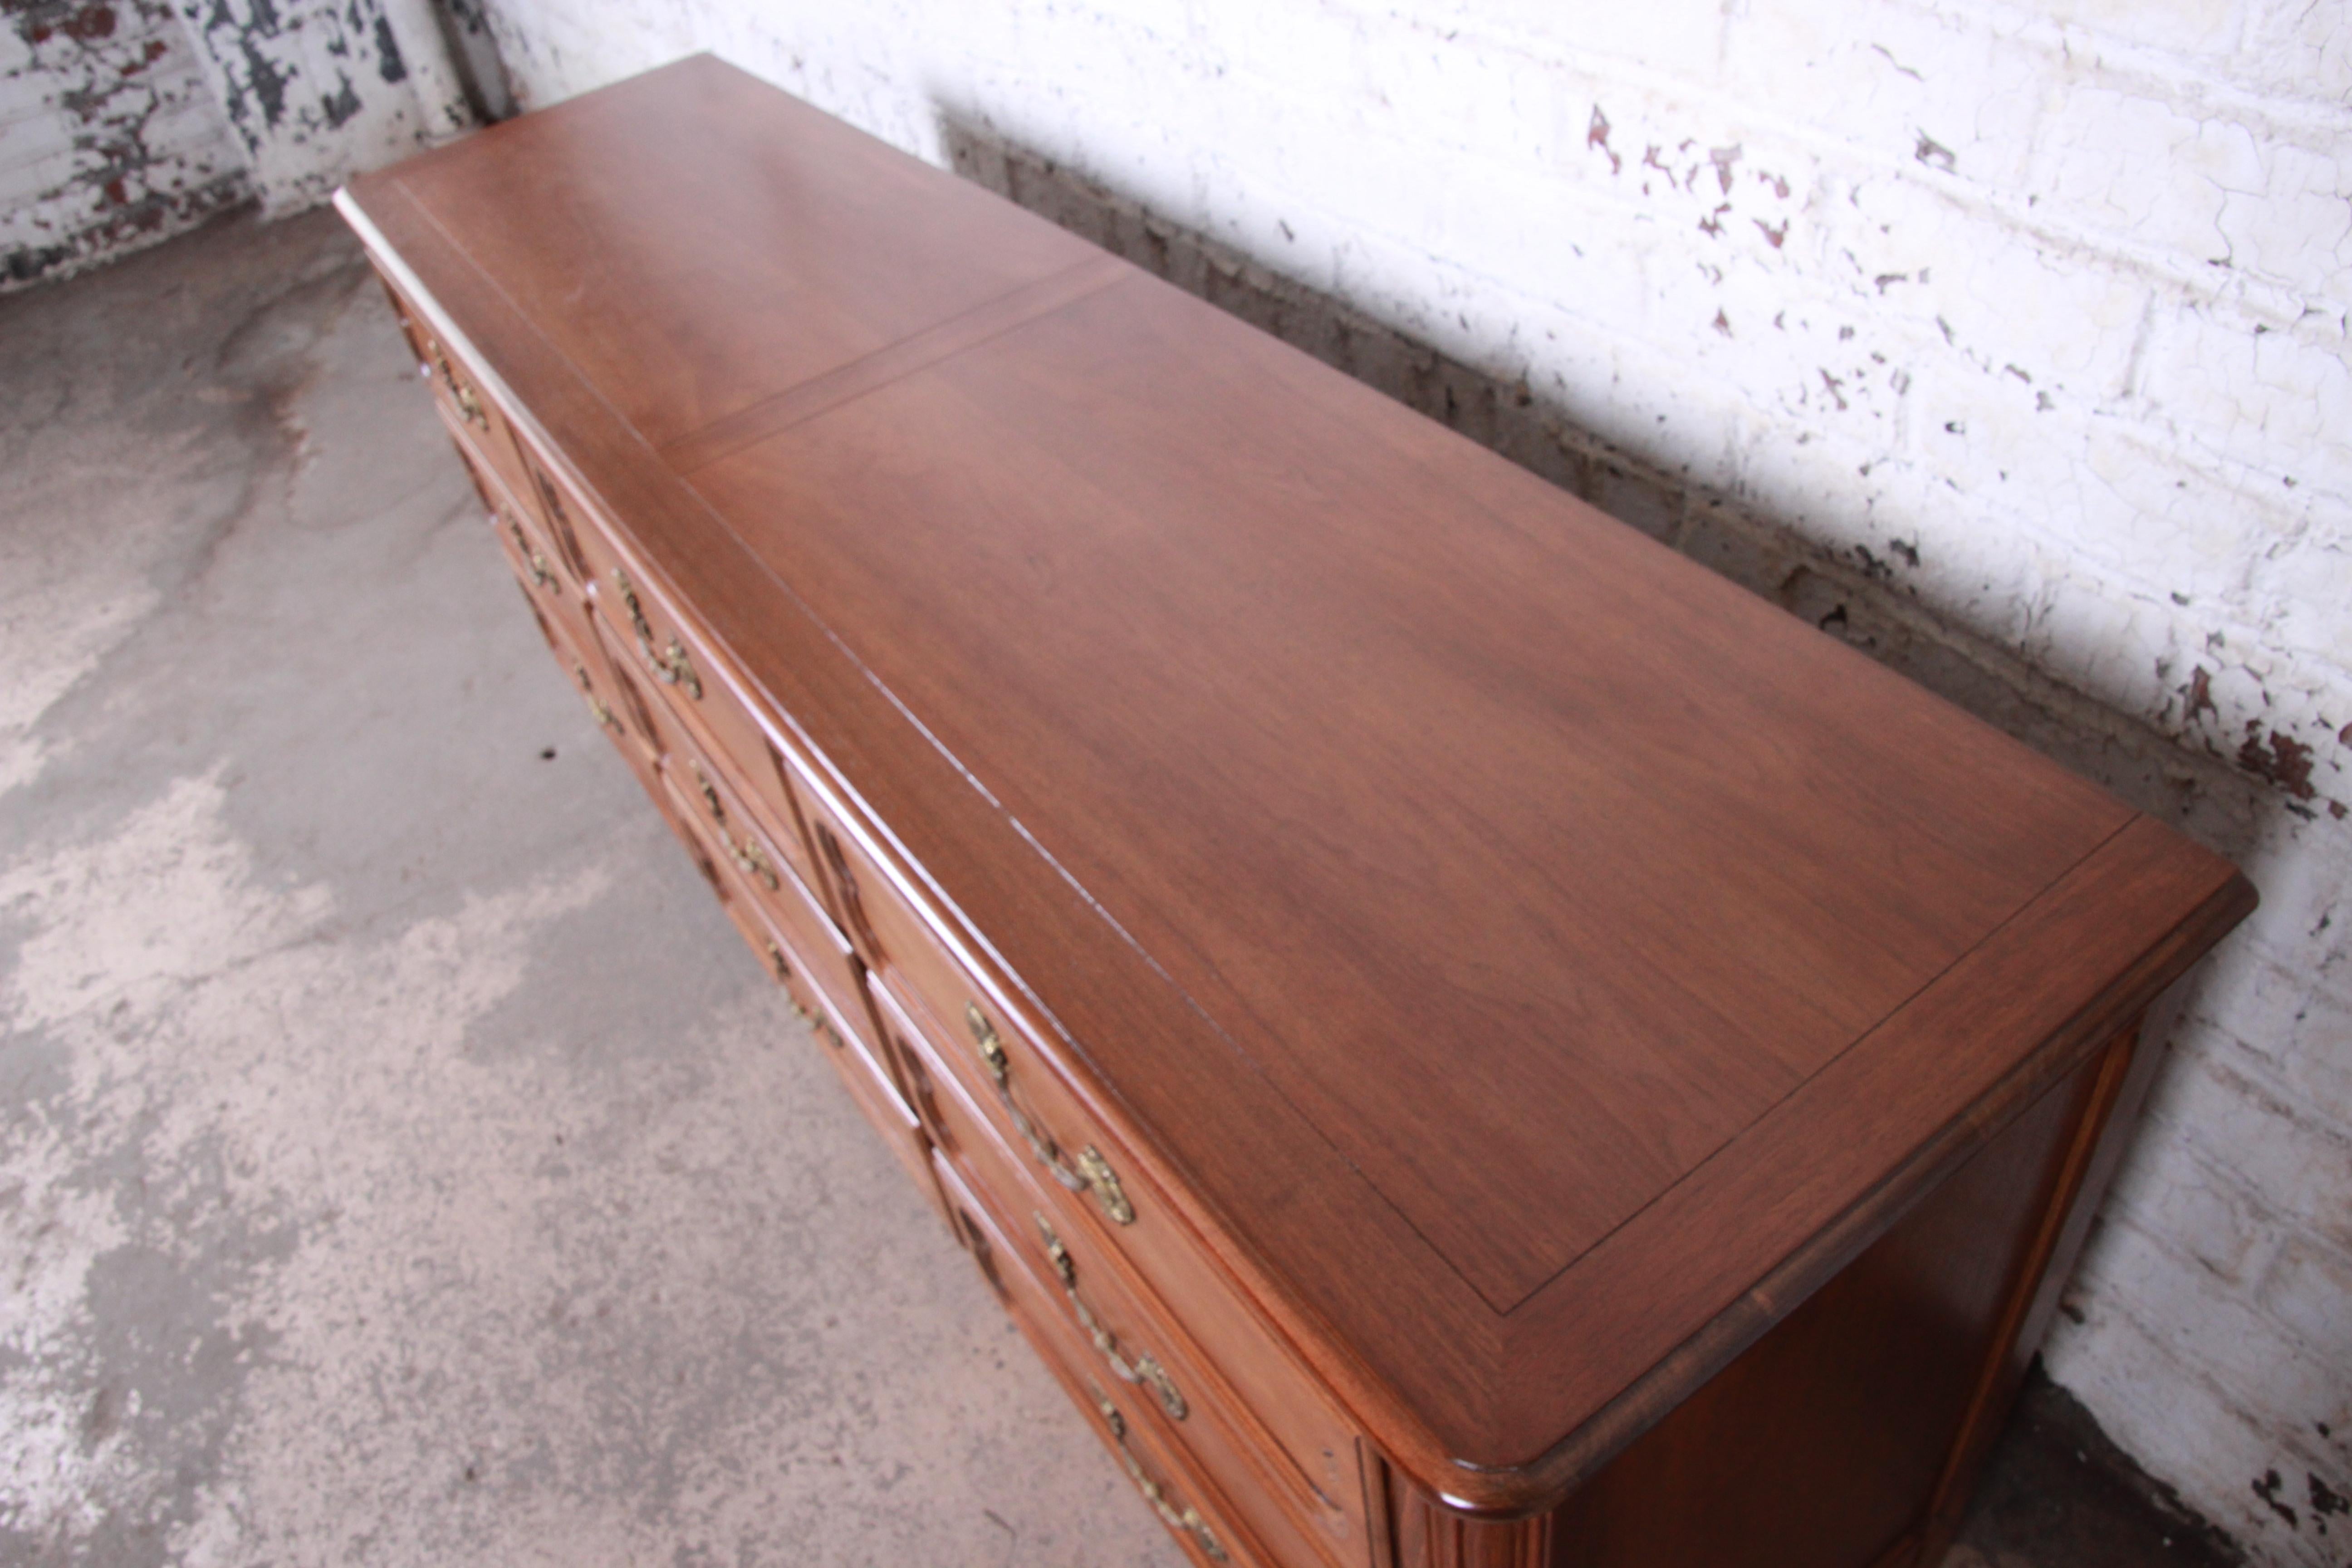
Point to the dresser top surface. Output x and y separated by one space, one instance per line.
1531 926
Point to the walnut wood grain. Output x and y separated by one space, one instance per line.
1530 966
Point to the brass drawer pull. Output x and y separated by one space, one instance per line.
749 858
753 861
460 393
783 969
671 667
597 704
1090 1171
540 574
1186 1519
1145 1370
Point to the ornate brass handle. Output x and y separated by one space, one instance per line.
1089 1171
782 967
749 858
460 393
1186 1517
540 574
1145 1370
671 666
597 704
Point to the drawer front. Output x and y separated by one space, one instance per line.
776 876
1130 1343
546 501
459 394
477 468
868 1082
529 555
1168 1482
748 835
979 1037
549 579
831 966
651 728
760 874
671 666
541 570
586 667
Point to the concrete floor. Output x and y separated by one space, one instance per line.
401 1160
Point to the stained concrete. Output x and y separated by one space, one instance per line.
401 1160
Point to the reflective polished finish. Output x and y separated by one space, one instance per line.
1519 1032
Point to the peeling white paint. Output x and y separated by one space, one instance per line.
112 140
317 90
130 120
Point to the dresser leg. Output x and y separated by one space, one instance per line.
2125 1074
1428 1535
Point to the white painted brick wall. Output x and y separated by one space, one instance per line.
124 121
318 90
109 140
2010 344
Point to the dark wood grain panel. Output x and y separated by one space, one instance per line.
1865 1382
732 296
1753 1232
809 398
1493 851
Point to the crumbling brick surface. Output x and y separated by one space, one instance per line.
315 90
109 140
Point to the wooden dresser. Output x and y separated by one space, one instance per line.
1462 1037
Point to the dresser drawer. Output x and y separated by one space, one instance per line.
546 501
648 729
977 1035
774 865
759 874
758 833
974 1033
868 1081
673 666
457 392
540 569
1169 1484
587 670
1130 1343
